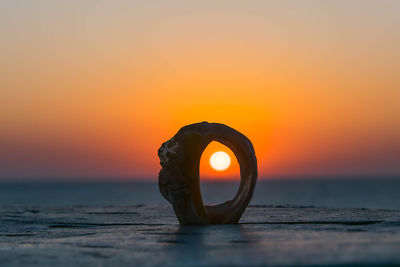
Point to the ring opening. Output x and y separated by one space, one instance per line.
219 174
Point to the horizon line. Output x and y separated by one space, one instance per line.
126 178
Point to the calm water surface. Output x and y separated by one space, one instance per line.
359 193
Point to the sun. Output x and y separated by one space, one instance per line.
220 161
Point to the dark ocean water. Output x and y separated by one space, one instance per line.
103 224
377 193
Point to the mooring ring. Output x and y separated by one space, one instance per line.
179 180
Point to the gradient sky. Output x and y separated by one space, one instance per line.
92 88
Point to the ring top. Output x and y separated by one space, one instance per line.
179 180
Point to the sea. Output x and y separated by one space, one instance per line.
289 222
360 192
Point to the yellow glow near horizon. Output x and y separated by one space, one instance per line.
220 161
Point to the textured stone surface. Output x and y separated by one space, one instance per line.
149 235
179 177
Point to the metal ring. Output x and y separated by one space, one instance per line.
179 181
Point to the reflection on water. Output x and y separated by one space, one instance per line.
200 245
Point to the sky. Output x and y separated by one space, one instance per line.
93 88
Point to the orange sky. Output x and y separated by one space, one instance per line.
94 88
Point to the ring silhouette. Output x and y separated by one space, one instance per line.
179 180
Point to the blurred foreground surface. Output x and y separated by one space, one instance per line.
149 235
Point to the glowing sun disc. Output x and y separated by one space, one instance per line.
220 161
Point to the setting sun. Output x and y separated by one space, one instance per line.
220 161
